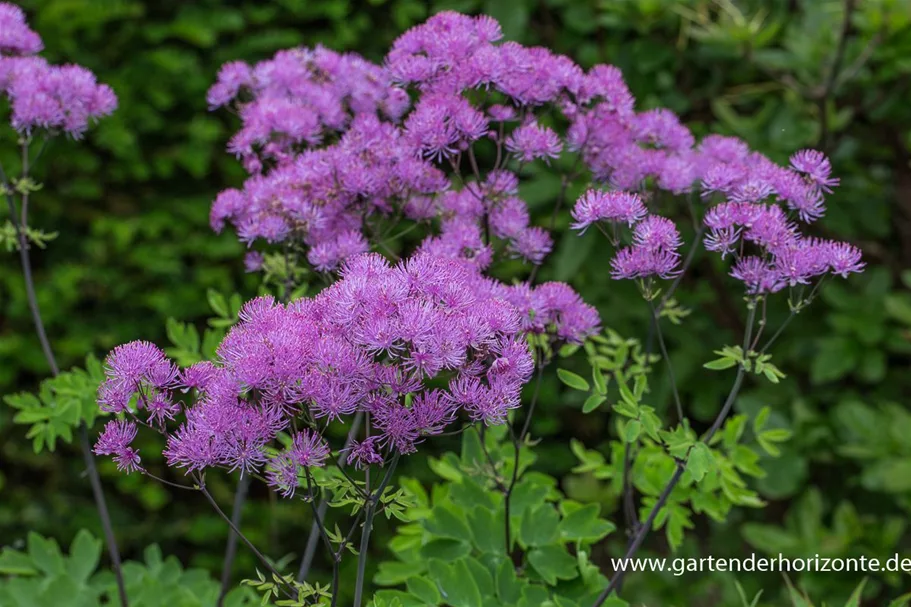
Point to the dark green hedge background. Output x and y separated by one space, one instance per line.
131 205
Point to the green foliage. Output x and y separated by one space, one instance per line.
274 591
10 242
43 576
62 404
452 549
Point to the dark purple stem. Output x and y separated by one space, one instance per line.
21 229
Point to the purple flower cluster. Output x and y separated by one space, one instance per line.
783 257
626 148
447 61
452 53
755 222
414 344
615 207
116 440
323 197
555 310
44 96
389 157
653 150
653 252
299 98
655 239
141 378
493 205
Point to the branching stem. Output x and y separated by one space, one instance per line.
646 526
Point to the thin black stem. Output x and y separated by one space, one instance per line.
686 265
166 482
240 497
24 194
26 262
629 506
681 467
778 333
565 180
41 150
21 229
103 514
350 534
667 363
517 440
289 275
531 407
310 548
235 529
318 520
456 432
763 321
369 512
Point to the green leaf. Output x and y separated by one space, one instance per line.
720 364
13 562
445 549
534 595
797 599
599 380
393 573
625 409
779 435
45 553
509 588
901 601
761 419
527 494
651 423
85 552
632 430
743 596
699 461
444 469
446 524
577 382
771 375
584 525
890 475
627 396
424 589
472 451
61 590
854 600
553 563
539 525
481 575
456 583
593 402
486 529
218 303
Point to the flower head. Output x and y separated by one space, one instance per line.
16 38
615 207
116 440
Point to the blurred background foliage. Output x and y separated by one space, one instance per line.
131 205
